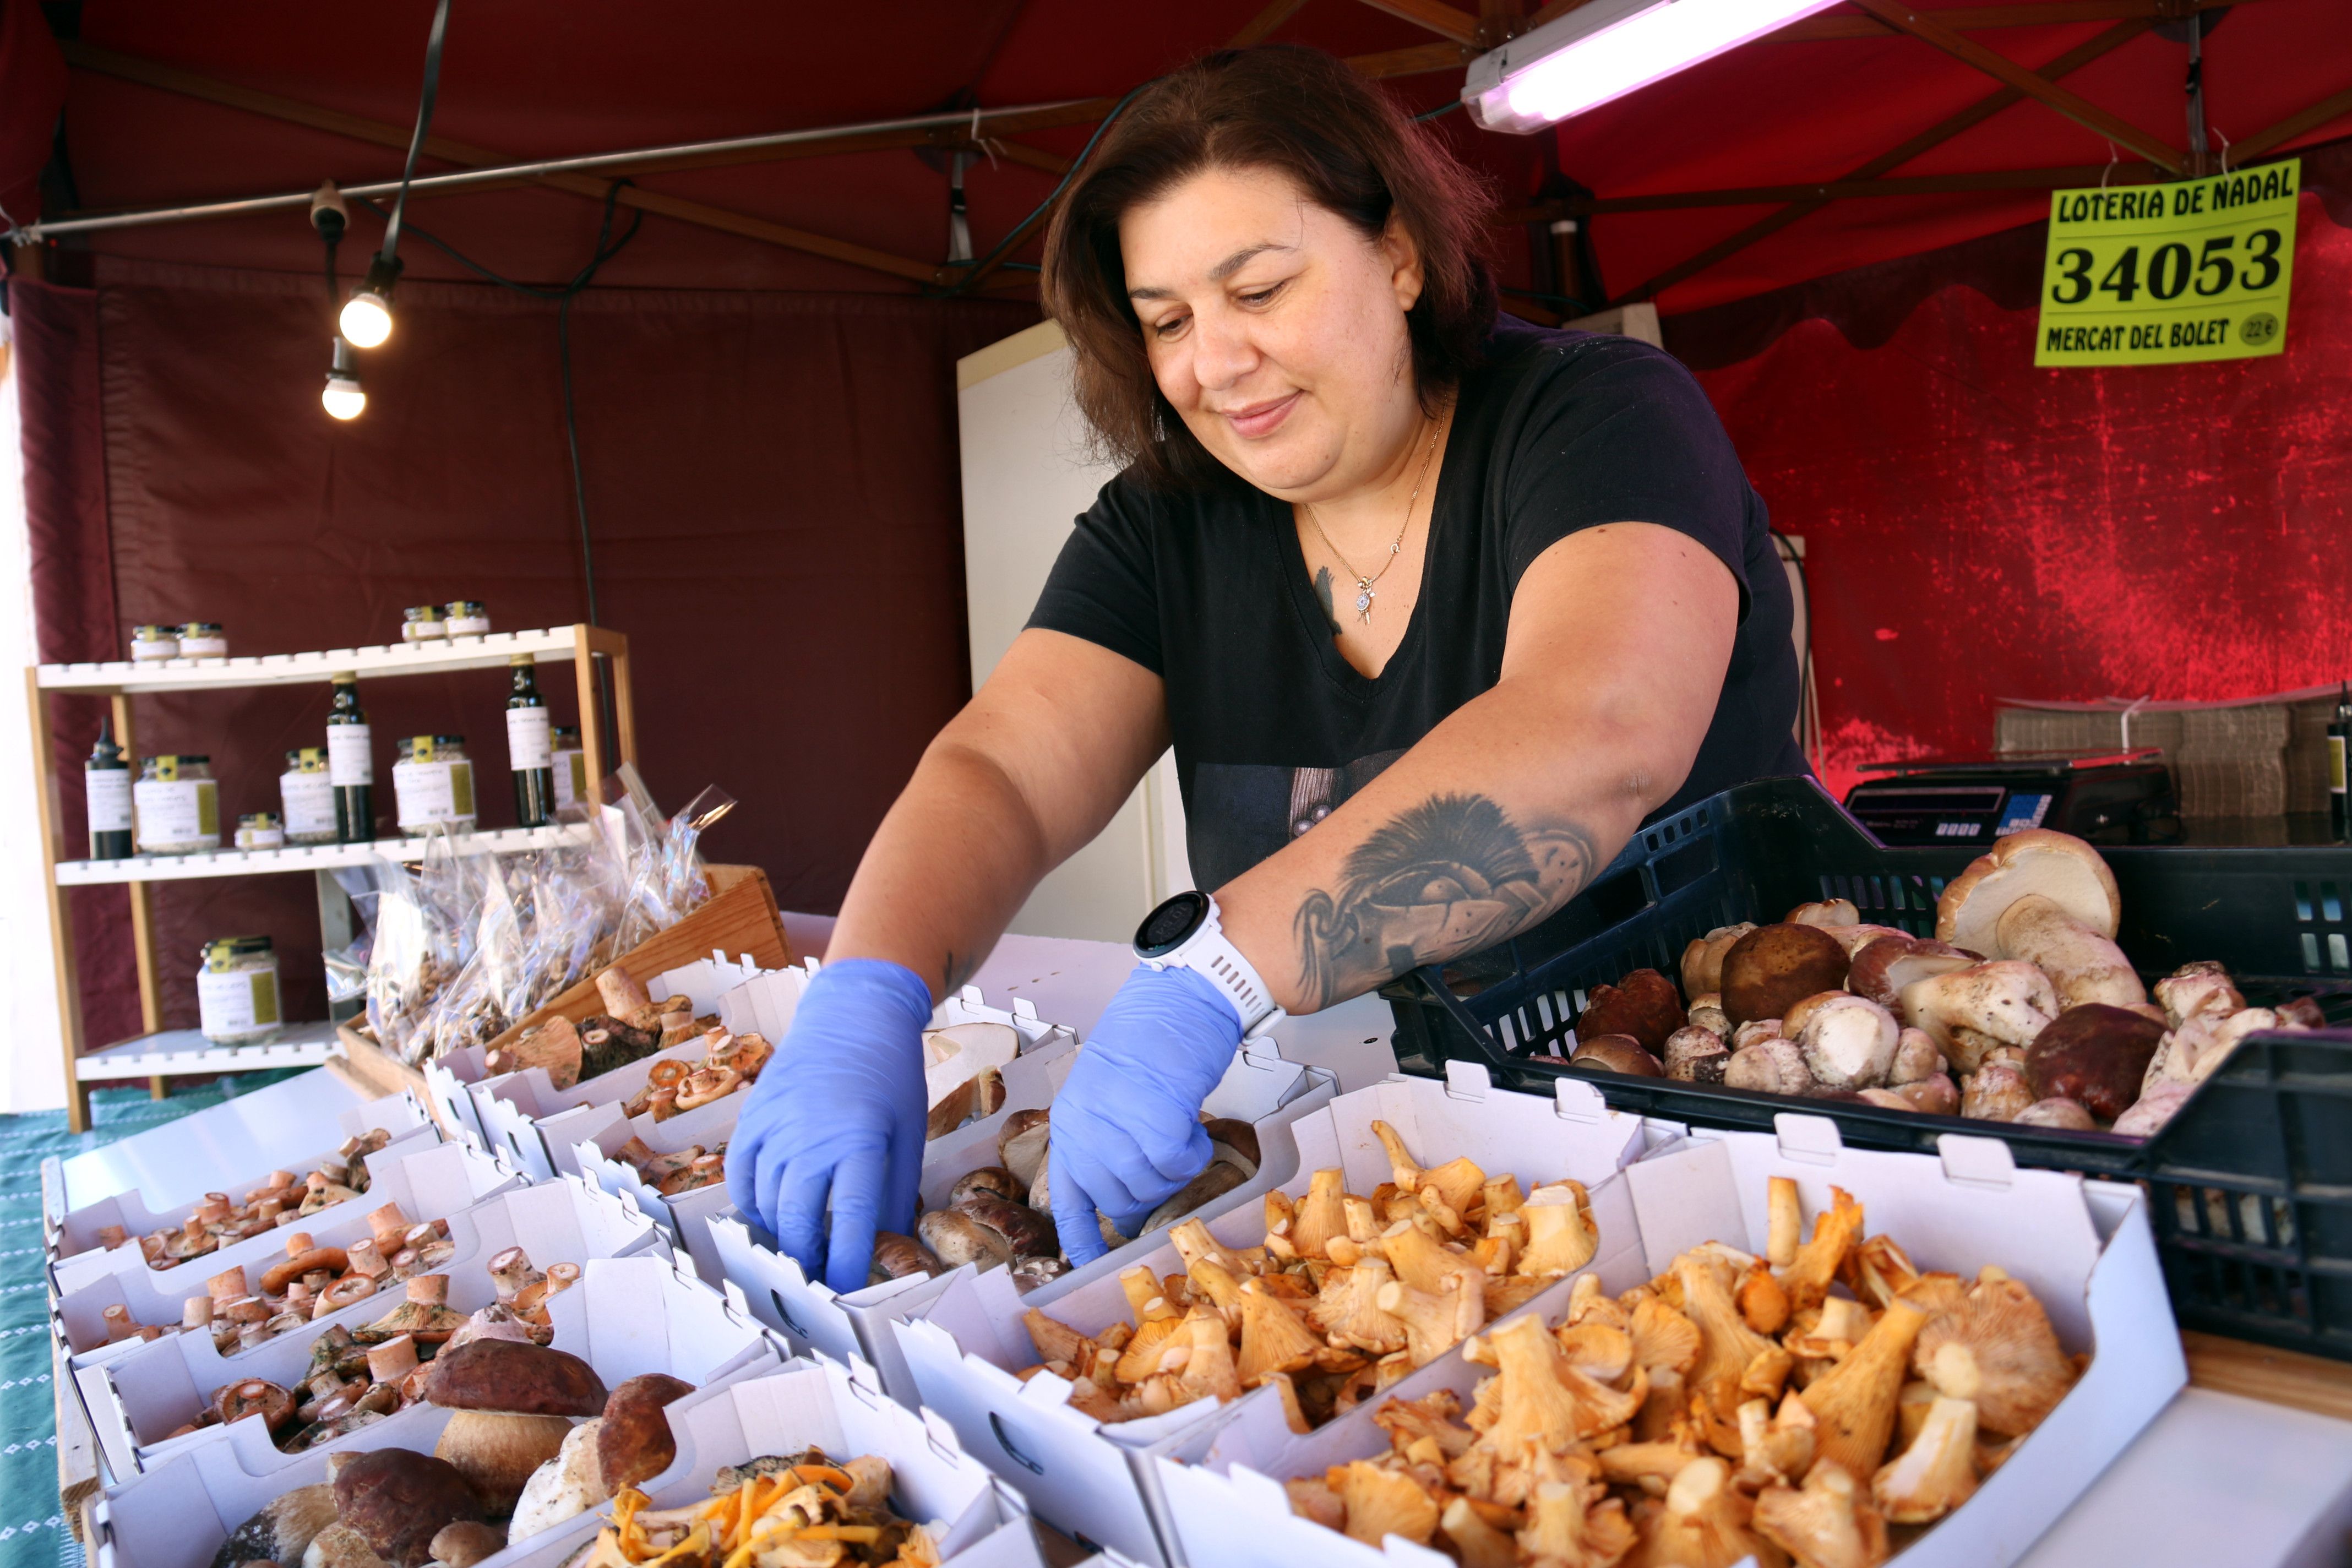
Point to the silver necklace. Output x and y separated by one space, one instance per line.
1364 589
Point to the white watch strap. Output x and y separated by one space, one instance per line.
1209 954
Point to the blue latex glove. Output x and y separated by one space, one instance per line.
1127 1132
838 1113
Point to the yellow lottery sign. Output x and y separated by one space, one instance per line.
2167 274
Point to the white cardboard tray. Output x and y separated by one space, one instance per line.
178 1516
1099 1481
72 1238
1261 1088
2083 1247
137 1398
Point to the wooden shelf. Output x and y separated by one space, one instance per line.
307 857
2280 1377
179 1053
493 652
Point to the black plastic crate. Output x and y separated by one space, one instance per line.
2251 1182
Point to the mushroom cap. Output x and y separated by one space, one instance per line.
635 1443
2095 1055
1775 966
1617 1053
510 1377
1644 1005
2058 865
1885 965
281 1530
399 1500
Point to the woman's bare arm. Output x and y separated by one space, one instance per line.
1046 752
1618 641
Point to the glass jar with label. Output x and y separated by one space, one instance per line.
423 623
305 797
177 804
150 644
237 990
570 766
261 830
202 639
469 618
433 786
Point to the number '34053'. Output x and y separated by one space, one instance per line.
2171 270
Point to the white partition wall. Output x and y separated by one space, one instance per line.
1027 477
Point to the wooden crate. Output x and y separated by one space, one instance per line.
738 917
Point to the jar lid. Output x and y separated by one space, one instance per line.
567 731
344 675
179 759
311 757
201 629
156 634
422 612
218 953
464 607
448 739
258 819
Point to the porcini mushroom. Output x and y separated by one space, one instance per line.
513 1404
1616 1053
1769 1066
1886 965
634 1440
1848 1041
1702 961
281 1530
1642 1006
564 1487
2047 897
398 1501
1968 1012
1773 967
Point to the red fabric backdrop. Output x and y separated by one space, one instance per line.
1976 528
773 488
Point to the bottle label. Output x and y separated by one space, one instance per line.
528 739
239 1001
431 792
2335 765
351 760
310 803
177 816
109 800
571 778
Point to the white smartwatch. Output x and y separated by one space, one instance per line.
1184 932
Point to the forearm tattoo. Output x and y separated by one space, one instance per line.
1451 876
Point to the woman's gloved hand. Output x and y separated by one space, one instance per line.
838 1113
1127 1132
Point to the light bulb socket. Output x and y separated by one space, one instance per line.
383 275
366 316
330 214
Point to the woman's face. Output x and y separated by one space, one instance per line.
1277 330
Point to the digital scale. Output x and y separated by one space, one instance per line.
2107 797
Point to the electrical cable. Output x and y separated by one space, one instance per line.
560 297
1019 232
1441 111
423 119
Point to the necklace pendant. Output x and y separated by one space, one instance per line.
1364 596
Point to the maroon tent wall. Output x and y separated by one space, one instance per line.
773 486
1978 529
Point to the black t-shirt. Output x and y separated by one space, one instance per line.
1556 431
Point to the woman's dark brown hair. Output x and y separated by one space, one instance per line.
1349 147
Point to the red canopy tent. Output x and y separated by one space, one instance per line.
763 374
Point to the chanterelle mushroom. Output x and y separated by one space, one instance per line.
514 1403
1937 1472
1705 1523
1997 1349
1826 1524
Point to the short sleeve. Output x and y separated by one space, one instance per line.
1104 588
1617 431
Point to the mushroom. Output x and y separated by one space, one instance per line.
1886 965
1617 1053
2153 1109
1642 1004
1936 1472
1996 1092
1826 913
1707 1012
1848 1041
510 1271
1023 1229
1775 966
1826 1524
2189 1053
513 1404
1571 1525
1542 1404
897 1257
1855 1401
1320 1216
1348 1309
399 1500
254 1396
1917 1058
1970 1011
341 1546
466 1542
1769 1066
424 1313
2049 898
1705 1523
955 1238
994 1180
1433 1323
1728 1346
1020 1145
1936 1095
1702 963
1476 1542
1382 1502
2193 988
302 1257
565 1486
2058 1112
1756 1032
1997 1349
1561 1237
281 1531
1695 1055
635 1443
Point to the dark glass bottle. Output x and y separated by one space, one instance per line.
2339 744
530 746
350 762
106 779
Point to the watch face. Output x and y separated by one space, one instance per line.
1166 928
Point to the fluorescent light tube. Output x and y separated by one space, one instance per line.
1606 49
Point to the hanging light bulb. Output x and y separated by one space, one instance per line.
366 320
343 396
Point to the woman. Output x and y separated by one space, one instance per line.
1435 608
